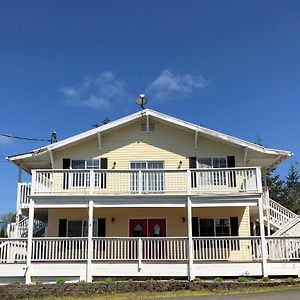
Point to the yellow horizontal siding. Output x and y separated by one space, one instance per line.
166 143
175 226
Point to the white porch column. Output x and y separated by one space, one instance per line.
18 210
29 242
190 240
89 277
264 248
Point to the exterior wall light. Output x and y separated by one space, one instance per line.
112 220
183 219
114 164
180 164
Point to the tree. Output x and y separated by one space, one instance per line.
8 217
276 188
292 189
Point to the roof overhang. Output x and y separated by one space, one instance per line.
256 155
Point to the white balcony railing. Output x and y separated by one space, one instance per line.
150 249
130 182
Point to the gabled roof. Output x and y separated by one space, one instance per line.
280 154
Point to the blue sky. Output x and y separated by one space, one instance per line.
233 66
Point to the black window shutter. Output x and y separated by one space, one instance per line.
195 226
103 165
232 177
66 165
230 161
62 228
193 162
193 165
101 227
234 226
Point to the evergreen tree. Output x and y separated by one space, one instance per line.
276 188
292 190
2 233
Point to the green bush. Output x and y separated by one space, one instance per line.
245 279
16 282
108 280
197 280
265 279
60 280
38 282
218 279
290 280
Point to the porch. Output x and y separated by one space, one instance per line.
74 258
140 182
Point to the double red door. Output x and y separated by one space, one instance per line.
147 228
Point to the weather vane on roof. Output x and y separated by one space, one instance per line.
141 101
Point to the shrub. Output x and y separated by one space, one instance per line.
265 279
108 280
245 279
218 279
60 280
197 280
38 282
15 282
290 280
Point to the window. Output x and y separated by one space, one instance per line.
79 228
222 227
85 164
207 227
217 177
212 162
151 181
214 227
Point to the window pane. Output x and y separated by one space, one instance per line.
74 228
222 227
78 164
219 162
155 165
138 165
207 227
204 162
92 164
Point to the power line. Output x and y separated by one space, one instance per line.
23 138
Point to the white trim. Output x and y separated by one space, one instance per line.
165 118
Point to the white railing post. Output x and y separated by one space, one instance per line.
190 240
264 246
140 182
140 253
188 182
29 242
89 277
33 182
258 180
92 181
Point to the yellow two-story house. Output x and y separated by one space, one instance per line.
149 195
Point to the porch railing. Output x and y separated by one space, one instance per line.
130 182
244 249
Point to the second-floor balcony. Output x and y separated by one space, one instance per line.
142 182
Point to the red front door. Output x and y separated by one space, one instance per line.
156 227
138 228
147 227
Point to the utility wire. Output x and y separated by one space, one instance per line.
23 138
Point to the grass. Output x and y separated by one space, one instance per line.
187 293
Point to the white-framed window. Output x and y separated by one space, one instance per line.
212 162
152 181
214 227
85 164
79 228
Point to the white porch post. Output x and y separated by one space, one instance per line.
18 210
29 242
264 248
89 277
190 240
